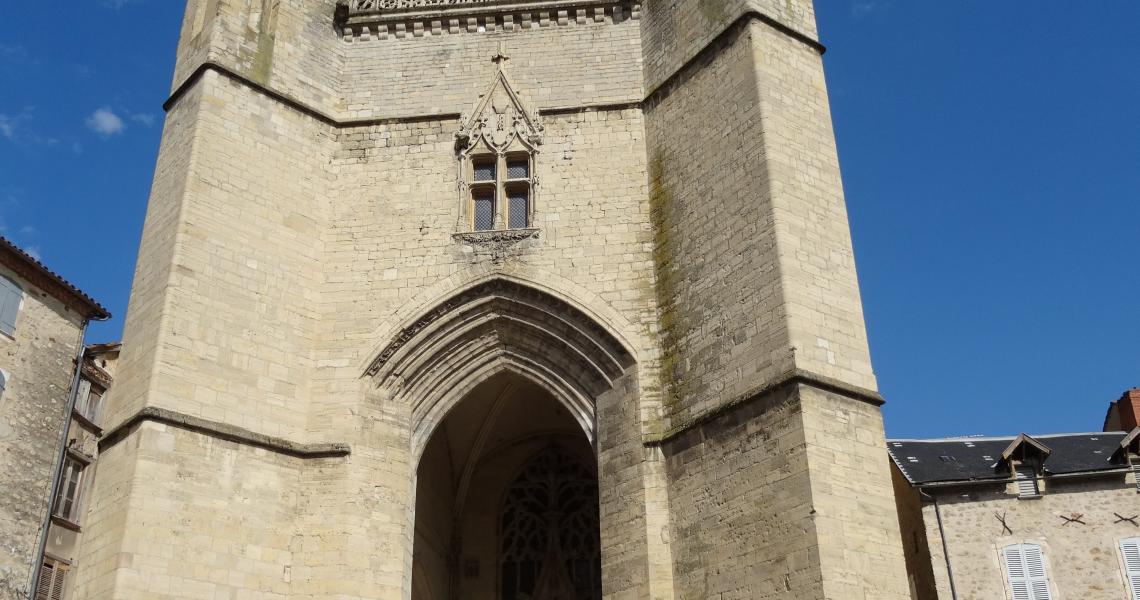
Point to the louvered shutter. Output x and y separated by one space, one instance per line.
82 397
10 297
57 583
43 588
1130 548
1025 566
50 585
1136 472
1026 481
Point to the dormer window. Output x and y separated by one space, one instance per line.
1025 458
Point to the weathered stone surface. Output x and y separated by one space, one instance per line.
1083 559
301 279
38 363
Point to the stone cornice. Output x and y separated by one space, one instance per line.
795 377
483 17
222 431
657 90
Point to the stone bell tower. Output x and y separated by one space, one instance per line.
396 250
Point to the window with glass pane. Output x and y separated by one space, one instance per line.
518 168
484 209
519 207
484 169
67 502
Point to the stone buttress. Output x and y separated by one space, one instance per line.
682 277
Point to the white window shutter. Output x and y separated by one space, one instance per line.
10 297
1026 480
1130 548
1025 567
81 397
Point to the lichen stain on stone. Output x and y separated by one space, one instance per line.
674 327
714 11
263 60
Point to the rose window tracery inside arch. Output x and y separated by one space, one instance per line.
550 531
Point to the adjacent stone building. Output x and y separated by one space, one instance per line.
543 299
42 322
1023 518
68 507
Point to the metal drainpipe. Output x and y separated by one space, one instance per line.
945 547
59 460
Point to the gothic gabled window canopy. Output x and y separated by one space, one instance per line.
496 145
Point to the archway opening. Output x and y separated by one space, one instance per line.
507 500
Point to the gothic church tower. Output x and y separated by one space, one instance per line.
473 299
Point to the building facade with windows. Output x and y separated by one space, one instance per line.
65 531
42 323
1022 518
402 257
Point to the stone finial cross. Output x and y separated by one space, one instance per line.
500 57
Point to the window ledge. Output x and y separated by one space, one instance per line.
86 423
64 523
496 239
1032 497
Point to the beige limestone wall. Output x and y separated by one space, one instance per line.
741 504
229 322
1082 560
287 45
38 362
674 32
719 282
743 173
222 320
196 517
556 66
281 254
916 548
154 269
855 516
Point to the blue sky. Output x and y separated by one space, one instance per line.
990 153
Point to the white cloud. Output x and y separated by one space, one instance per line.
14 128
105 122
862 8
144 118
34 252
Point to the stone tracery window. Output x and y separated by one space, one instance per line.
497 146
549 531
500 191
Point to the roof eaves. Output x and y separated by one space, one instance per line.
94 310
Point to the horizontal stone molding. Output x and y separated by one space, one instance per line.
795 377
484 17
222 431
663 87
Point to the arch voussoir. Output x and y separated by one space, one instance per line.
433 363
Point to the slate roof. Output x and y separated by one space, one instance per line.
979 459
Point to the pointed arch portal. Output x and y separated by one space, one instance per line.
503 384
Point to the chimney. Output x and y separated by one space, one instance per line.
1124 414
